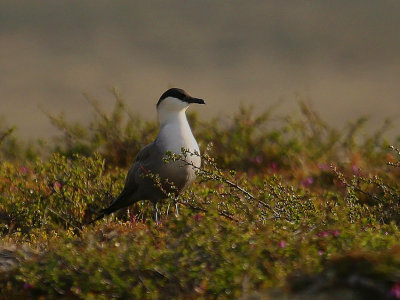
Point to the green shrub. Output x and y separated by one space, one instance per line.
287 208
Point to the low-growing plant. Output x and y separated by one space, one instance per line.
118 136
287 209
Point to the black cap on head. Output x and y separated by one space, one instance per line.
181 95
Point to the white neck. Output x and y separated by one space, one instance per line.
166 116
175 131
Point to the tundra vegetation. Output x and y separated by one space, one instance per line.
284 207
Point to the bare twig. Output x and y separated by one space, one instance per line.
230 183
64 219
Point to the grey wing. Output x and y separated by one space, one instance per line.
137 167
131 184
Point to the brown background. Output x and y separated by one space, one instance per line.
343 56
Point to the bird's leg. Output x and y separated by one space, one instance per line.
176 209
156 212
168 208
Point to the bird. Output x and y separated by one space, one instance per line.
174 136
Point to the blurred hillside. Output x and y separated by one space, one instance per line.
343 56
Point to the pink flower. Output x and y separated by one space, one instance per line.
308 181
395 291
335 233
57 185
320 252
323 233
197 217
355 169
274 166
23 169
257 160
282 244
132 217
323 167
27 286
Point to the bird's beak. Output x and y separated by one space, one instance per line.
196 100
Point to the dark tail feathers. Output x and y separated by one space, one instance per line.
120 202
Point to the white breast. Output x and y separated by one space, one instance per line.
176 134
